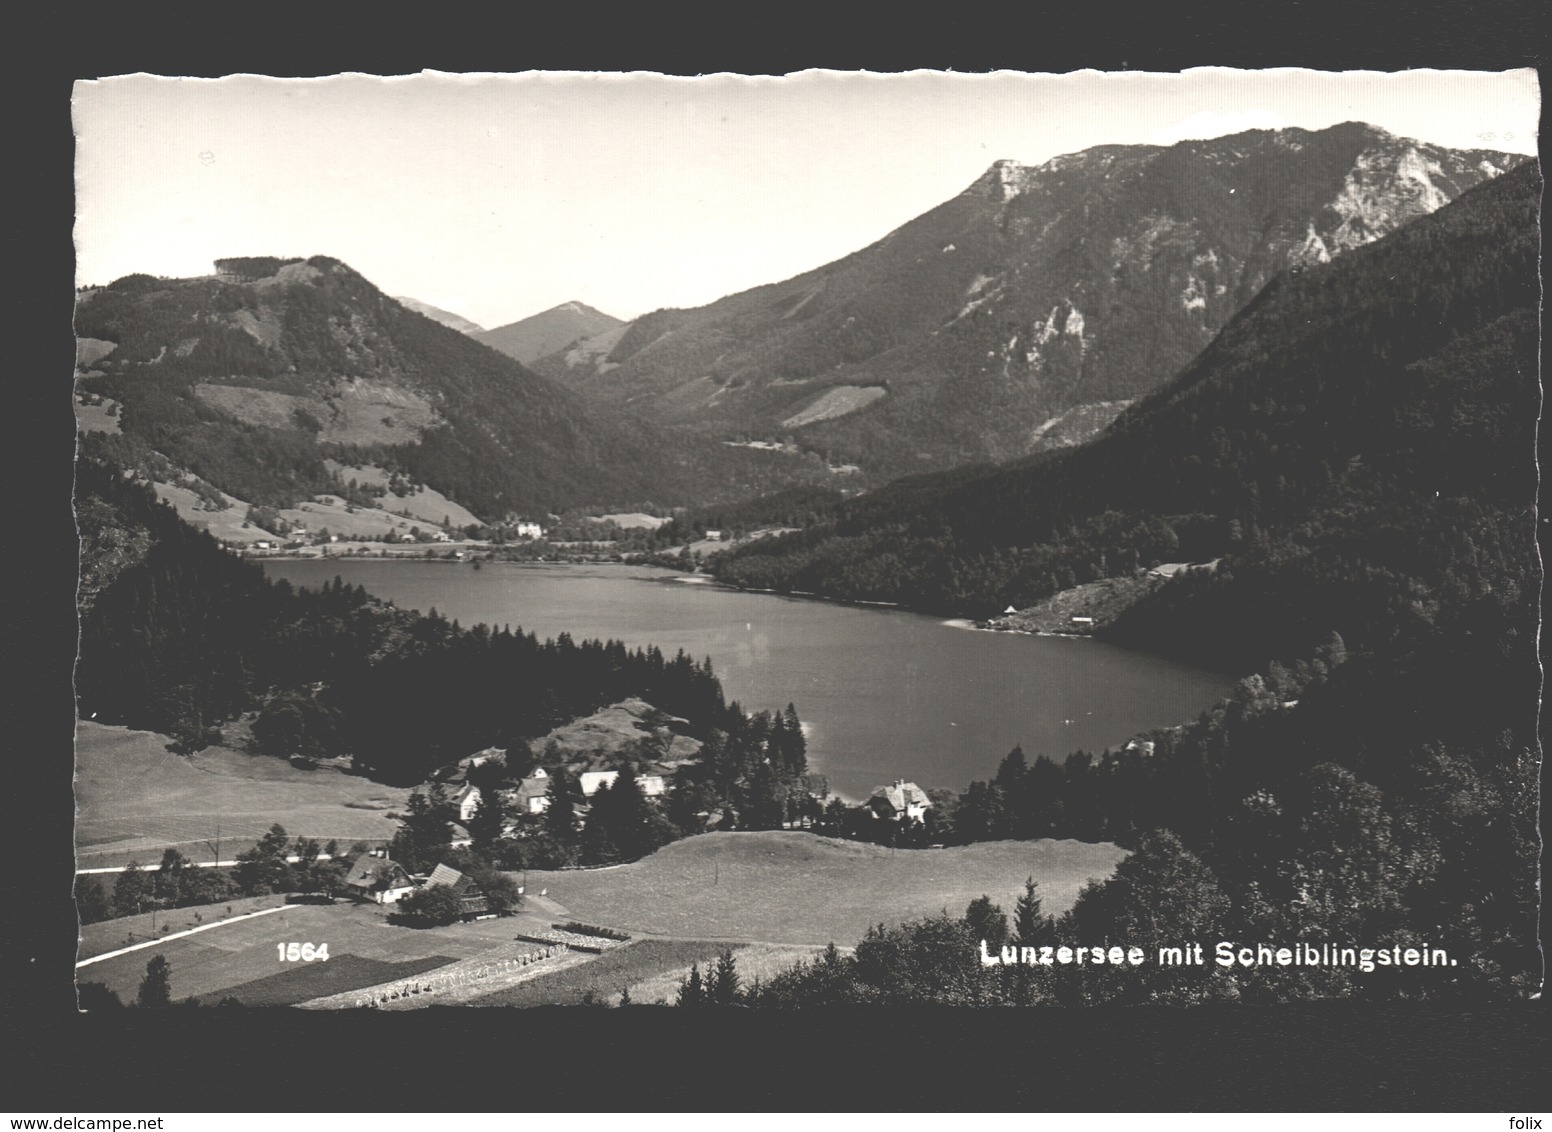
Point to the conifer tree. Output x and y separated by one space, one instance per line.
1029 923
691 991
156 987
723 988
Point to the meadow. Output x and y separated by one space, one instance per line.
135 798
364 949
795 888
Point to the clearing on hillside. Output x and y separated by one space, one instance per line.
134 798
797 888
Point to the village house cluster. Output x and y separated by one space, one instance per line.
531 795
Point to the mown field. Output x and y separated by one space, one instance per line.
799 889
364 949
134 798
110 935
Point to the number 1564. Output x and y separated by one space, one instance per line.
307 952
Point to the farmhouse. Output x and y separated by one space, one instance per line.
900 801
713 536
377 879
471 899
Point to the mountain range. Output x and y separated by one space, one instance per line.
256 377
1023 315
531 338
1028 311
446 318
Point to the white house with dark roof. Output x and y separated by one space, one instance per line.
899 801
378 879
532 795
466 801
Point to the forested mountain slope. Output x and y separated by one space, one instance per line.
252 377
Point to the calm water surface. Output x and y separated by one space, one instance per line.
886 694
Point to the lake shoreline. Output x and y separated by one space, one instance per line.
898 697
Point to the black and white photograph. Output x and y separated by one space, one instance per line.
841 539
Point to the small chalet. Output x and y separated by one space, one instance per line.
713 536
530 530
466 801
652 785
532 795
900 801
372 876
471 900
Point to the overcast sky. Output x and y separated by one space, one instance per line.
496 197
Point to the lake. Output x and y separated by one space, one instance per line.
885 693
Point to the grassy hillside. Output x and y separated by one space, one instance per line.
134 798
800 889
